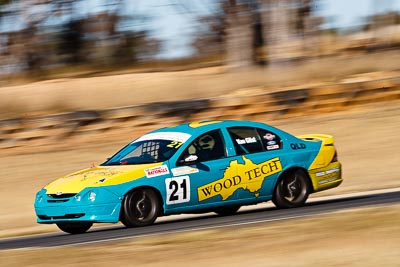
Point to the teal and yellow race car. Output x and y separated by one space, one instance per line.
209 166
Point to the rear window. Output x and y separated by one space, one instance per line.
270 140
246 140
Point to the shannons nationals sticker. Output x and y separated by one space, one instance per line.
156 171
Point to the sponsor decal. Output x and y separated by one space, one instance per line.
157 171
178 189
247 140
332 170
269 136
93 173
171 136
248 176
184 170
296 146
101 181
240 141
328 175
197 124
328 172
273 147
327 181
270 143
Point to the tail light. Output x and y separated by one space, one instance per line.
335 157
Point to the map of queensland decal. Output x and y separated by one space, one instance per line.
248 176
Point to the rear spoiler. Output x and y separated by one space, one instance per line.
327 152
327 140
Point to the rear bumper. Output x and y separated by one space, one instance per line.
327 177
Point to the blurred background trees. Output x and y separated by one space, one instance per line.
40 35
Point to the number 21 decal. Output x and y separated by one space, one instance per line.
175 144
178 189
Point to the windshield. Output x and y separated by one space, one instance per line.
150 148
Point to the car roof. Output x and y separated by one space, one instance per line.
205 126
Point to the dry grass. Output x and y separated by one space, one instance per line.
366 238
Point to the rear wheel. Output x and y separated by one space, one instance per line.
228 210
74 227
140 207
292 189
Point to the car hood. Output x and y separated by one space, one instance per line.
98 176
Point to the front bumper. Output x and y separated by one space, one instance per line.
105 207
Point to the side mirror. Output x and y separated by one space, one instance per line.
191 159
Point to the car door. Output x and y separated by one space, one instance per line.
197 180
259 163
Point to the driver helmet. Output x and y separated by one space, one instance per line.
207 142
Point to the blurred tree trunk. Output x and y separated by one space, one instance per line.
275 17
311 23
239 36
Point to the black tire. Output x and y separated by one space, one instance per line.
74 227
292 189
228 210
140 207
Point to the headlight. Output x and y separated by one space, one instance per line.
92 196
78 197
39 198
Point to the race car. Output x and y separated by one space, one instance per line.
207 166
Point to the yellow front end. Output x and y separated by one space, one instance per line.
97 177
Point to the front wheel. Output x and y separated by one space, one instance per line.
292 189
227 210
140 207
74 227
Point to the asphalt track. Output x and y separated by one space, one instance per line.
172 224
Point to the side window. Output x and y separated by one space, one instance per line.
208 146
270 140
246 140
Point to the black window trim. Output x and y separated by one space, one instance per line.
221 135
249 127
257 129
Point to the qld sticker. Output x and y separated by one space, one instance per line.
157 171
